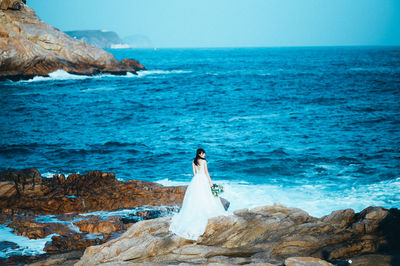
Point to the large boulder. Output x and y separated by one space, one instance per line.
269 234
31 47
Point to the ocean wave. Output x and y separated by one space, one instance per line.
317 199
50 174
63 75
18 149
22 245
161 72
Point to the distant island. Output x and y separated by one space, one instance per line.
99 38
110 39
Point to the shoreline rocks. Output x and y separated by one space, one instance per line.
271 235
30 47
267 234
26 191
25 196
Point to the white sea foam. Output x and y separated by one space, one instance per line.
50 174
26 246
318 200
63 75
57 75
161 72
122 212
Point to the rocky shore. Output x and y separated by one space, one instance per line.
37 207
30 47
268 235
27 192
67 208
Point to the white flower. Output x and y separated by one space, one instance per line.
349 261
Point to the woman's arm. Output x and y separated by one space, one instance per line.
194 173
207 174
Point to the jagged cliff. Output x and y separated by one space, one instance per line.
30 47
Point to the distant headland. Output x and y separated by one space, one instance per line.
106 39
31 47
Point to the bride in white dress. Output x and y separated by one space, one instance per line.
199 203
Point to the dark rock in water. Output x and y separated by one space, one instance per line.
149 214
7 244
134 64
32 47
130 219
144 215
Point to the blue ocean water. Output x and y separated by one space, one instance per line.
316 128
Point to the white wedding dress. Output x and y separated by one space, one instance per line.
198 205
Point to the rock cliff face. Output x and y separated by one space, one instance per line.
270 234
30 47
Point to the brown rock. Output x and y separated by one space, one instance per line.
98 226
23 190
32 47
134 64
340 217
306 261
26 226
25 181
269 234
70 242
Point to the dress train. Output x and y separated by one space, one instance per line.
199 204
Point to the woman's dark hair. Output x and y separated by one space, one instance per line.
196 159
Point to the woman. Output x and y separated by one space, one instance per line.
199 203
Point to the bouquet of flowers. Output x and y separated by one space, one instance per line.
217 189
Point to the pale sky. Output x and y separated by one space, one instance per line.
227 23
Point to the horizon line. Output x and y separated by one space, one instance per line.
272 46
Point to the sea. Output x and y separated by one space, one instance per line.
316 128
